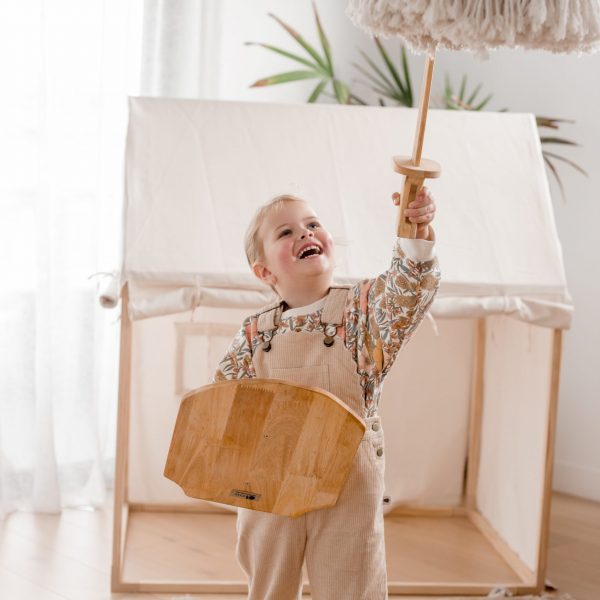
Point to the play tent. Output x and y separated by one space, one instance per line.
469 407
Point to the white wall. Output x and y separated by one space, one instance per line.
549 85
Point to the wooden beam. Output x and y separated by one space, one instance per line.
394 587
475 416
416 510
548 469
423 108
412 510
202 507
120 512
526 575
450 588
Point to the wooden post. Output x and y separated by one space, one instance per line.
414 168
121 512
423 108
550 442
475 416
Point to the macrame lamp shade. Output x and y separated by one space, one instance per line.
481 25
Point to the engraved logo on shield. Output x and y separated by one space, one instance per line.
244 494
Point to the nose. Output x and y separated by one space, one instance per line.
307 232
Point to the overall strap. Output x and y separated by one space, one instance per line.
268 319
267 322
333 312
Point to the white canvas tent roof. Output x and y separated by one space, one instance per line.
197 171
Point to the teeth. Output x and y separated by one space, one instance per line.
305 250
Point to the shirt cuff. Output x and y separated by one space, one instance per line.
416 249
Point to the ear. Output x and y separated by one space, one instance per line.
263 273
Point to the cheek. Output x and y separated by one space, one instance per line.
328 241
283 251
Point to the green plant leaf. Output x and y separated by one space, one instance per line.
461 94
358 100
389 64
317 91
569 162
550 122
386 83
472 97
334 96
483 102
392 94
324 42
447 98
341 91
285 77
380 84
447 86
453 101
301 41
556 140
385 93
555 173
377 70
295 57
405 68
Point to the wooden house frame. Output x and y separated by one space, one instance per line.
524 581
509 298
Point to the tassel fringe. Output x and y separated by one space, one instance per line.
560 26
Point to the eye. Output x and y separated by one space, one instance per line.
314 225
285 232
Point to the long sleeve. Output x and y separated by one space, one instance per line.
383 313
237 362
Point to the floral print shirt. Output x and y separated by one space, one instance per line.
380 316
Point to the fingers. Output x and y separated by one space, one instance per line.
422 209
422 218
420 215
422 197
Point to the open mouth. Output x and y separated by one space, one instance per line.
310 252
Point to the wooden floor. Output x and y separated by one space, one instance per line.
47 557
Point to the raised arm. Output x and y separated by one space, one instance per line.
398 300
383 313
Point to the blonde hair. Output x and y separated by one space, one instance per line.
253 245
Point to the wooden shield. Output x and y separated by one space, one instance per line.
263 444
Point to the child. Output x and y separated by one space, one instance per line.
343 339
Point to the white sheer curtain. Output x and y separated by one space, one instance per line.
180 56
67 67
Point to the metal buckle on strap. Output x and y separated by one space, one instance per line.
330 331
267 324
267 336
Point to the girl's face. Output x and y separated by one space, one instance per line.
296 247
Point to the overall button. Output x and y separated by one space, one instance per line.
328 341
379 451
375 427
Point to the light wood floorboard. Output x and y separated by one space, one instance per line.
68 556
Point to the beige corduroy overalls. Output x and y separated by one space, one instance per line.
343 545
